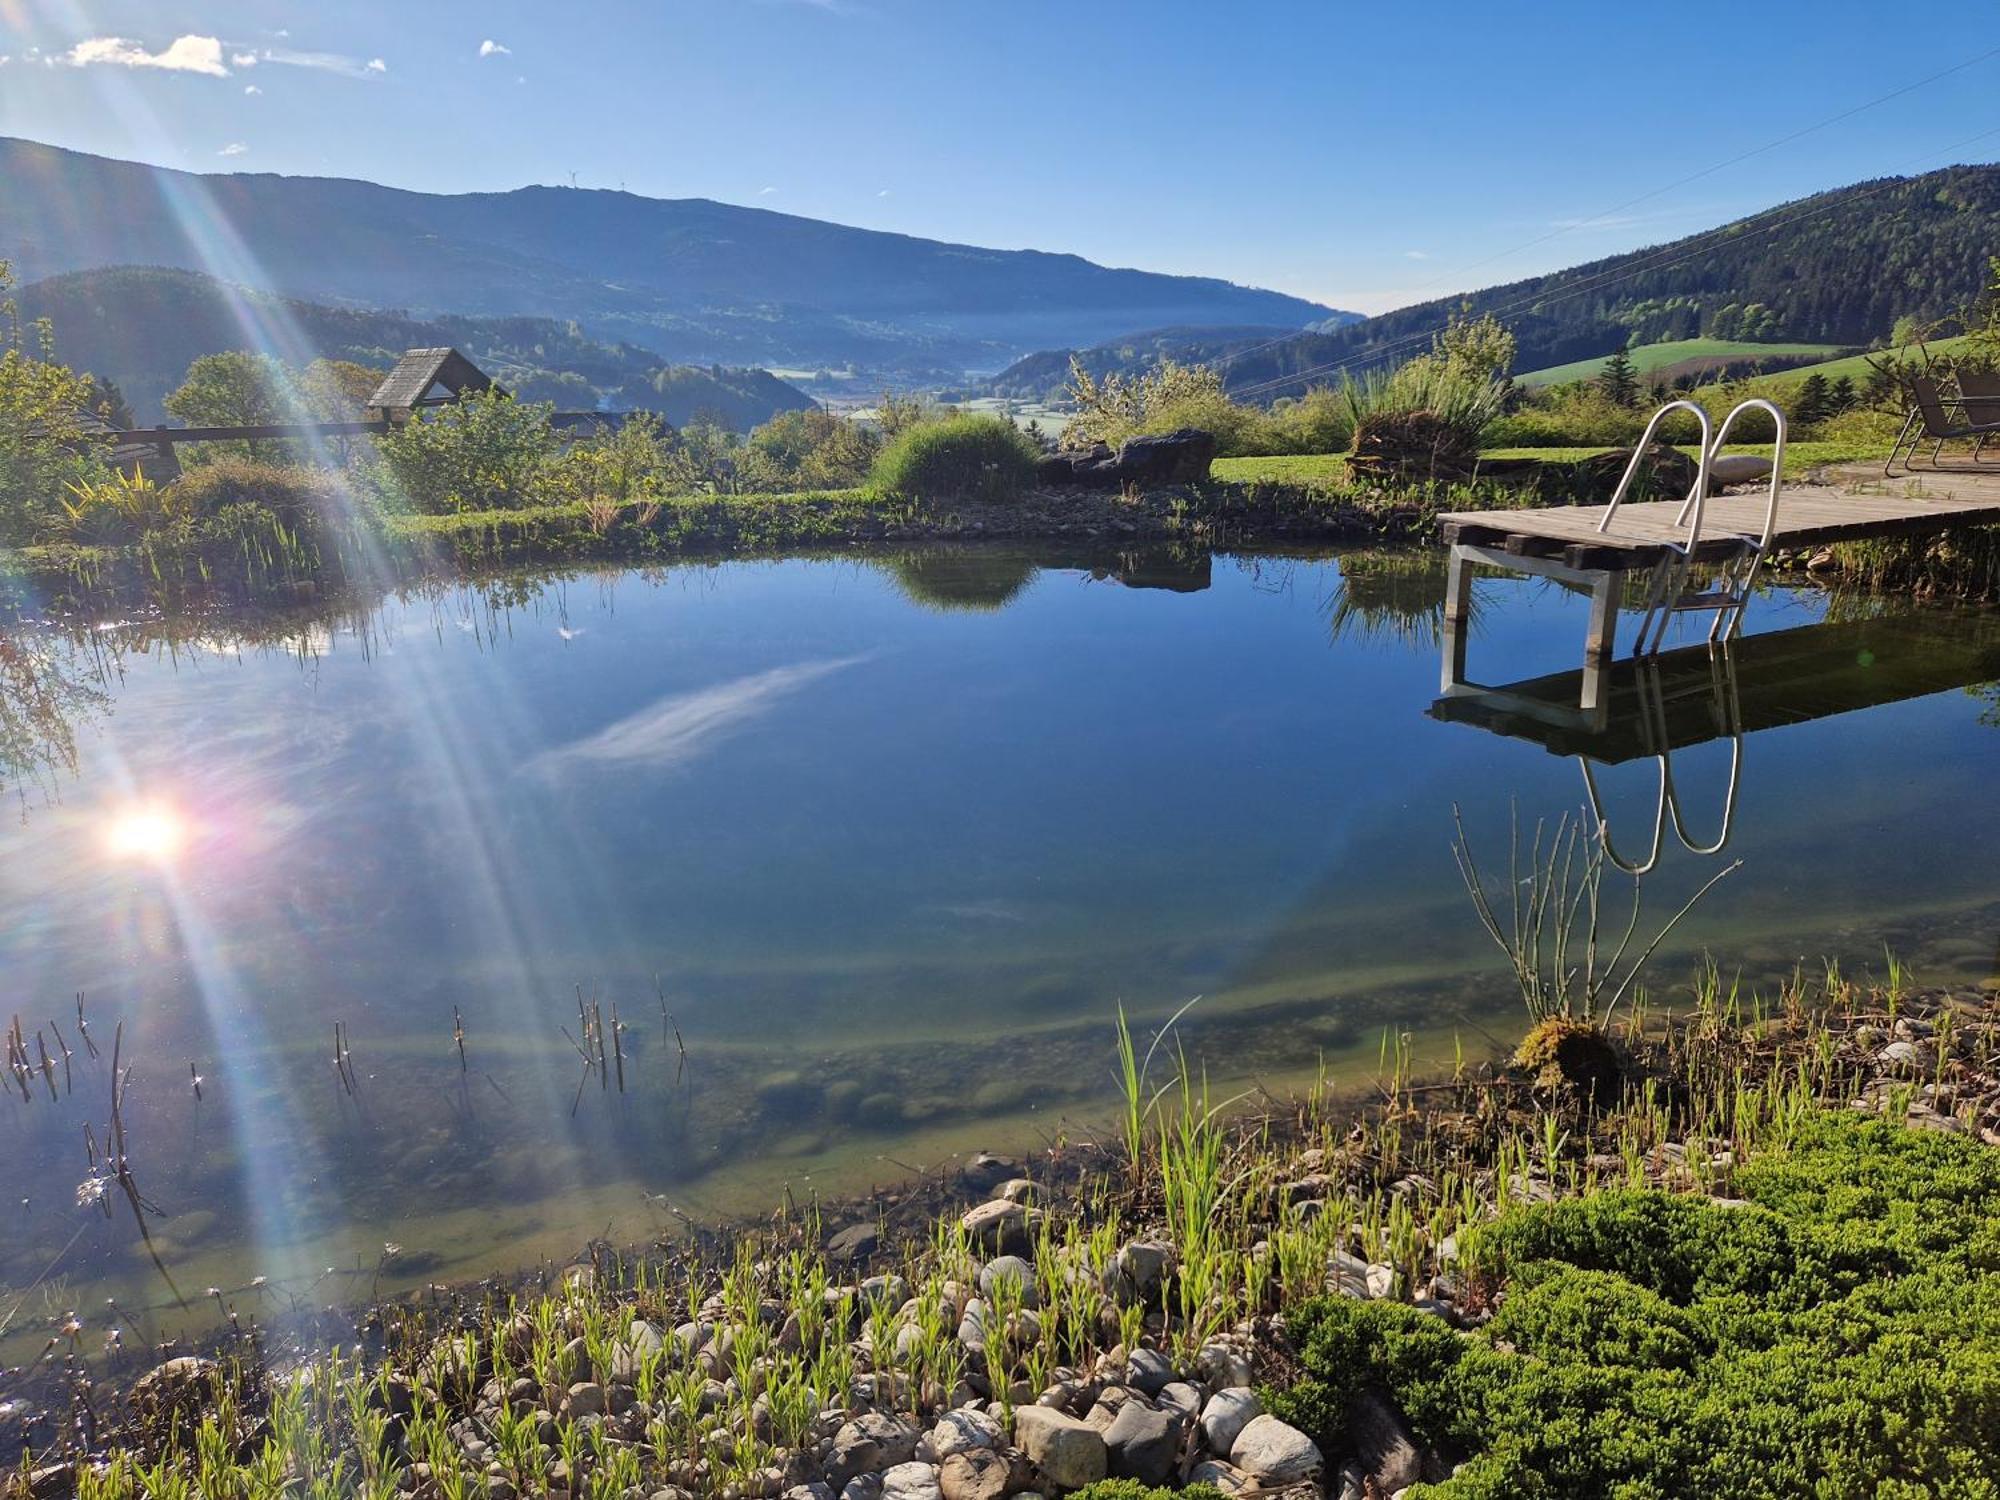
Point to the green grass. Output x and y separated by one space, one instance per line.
1650 357
1330 469
1855 366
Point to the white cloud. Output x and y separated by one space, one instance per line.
252 89
765 192
324 62
1416 255
185 54
683 726
234 148
883 194
491 48
243 59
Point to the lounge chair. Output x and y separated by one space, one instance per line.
1979 395
1930 420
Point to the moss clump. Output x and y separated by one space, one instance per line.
1564 1055
1838 1336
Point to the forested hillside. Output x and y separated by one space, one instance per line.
1837 268
141 327
690 279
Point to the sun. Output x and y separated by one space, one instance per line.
151 831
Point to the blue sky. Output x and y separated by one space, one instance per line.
1363 156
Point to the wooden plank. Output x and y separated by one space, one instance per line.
1644 528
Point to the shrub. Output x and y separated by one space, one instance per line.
1839 1335
42 442
1132 1489
807 450
634 461
297 494
484 451
963 457
1577 415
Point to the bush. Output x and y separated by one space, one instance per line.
1839 1335
1577 415
962 457
297 494
813 449
484 451
1132 1489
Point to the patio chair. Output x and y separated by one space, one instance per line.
1979 396
1930 420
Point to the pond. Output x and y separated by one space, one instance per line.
626 897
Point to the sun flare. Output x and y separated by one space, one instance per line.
151 832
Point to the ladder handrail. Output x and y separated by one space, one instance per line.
1695 493
1777 461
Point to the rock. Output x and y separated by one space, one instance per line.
1139 1271
1223 1366
642 1342
1016 1190
1000 1224
962 1431
1354 1277
975 1474
1006 1268
911 1481
1226 1415
1182 456
1069 1453
855 1242
1149 1370
1141 1444
819 1489
872 1441
1351 1485
1382 1444
179 1388
862 1487
889 1288
1274 1452
1224 1476
1738 468
1906 1057
1180 1398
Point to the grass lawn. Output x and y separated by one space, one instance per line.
1331 468
1650 357
1855 366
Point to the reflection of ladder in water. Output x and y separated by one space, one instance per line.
1668 593
1653 709
1667 590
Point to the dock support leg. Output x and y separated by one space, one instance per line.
1457 617
1602 643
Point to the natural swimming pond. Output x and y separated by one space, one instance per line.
856 858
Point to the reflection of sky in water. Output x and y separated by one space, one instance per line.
862 845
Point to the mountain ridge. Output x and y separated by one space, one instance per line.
691 279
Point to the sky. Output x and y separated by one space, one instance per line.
1363 156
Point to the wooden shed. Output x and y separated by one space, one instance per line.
424 377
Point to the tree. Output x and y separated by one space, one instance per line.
1813 402
237 390
1619 380
337 390
43 443
1841 397
109 403
484 450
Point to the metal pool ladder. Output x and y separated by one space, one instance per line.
1668 593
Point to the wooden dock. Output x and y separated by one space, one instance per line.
1851 508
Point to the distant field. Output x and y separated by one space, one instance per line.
1855 366
1650 359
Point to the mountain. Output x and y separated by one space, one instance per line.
690 279
142 327
1044 375
1836 268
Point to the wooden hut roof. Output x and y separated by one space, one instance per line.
419 370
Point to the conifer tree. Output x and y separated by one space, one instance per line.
1619 380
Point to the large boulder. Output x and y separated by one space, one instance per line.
1182 456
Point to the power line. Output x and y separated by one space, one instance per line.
1222 361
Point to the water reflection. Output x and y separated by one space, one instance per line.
854 858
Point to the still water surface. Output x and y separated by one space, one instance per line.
865 854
